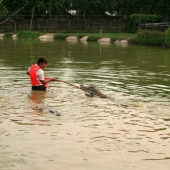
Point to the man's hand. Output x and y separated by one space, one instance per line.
53 79
28 73
47 80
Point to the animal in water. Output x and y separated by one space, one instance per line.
92 91
47 109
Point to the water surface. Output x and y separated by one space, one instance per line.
91 133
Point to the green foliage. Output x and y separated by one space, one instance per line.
64 36
147 37
95 7
29 34
162 8
88 7
80 36
167 37
7 35
133 21
2 11
145 18
114 39
61 36
93 38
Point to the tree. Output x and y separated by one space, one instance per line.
87 7
94 7
161 8
2 6
2 9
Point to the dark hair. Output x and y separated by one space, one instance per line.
41 60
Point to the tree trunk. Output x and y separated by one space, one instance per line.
11 15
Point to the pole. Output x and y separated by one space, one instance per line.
68 83
32 18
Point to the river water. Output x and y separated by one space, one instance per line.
131 132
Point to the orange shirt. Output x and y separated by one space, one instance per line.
34 76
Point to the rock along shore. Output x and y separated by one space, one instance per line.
50 37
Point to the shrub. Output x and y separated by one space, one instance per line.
145 18
93 38
29 34
2 11
80 36
134 20
147 37
114 39
60 36
7 35
167 37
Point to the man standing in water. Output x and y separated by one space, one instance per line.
36 73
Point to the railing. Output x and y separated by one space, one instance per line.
157 26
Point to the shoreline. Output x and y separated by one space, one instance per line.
51 37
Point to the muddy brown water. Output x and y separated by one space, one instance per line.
91 133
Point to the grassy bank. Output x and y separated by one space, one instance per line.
92 36
103 35
96 36
144 37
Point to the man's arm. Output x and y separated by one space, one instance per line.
43 79
28 73
47 80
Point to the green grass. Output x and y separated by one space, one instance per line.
29 34
26 34
96 36
104 35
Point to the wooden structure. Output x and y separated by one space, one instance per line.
162 26
65 23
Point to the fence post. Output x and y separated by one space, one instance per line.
69 24
32 18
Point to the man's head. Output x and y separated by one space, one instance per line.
42 62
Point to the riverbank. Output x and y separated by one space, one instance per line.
144 37
100 37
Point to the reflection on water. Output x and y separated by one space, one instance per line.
91 133
37 97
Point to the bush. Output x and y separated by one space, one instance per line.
29 34
80 36
60 36
145 18
147 37
114 39
93 38
2 11
134 20
167 37
7 35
